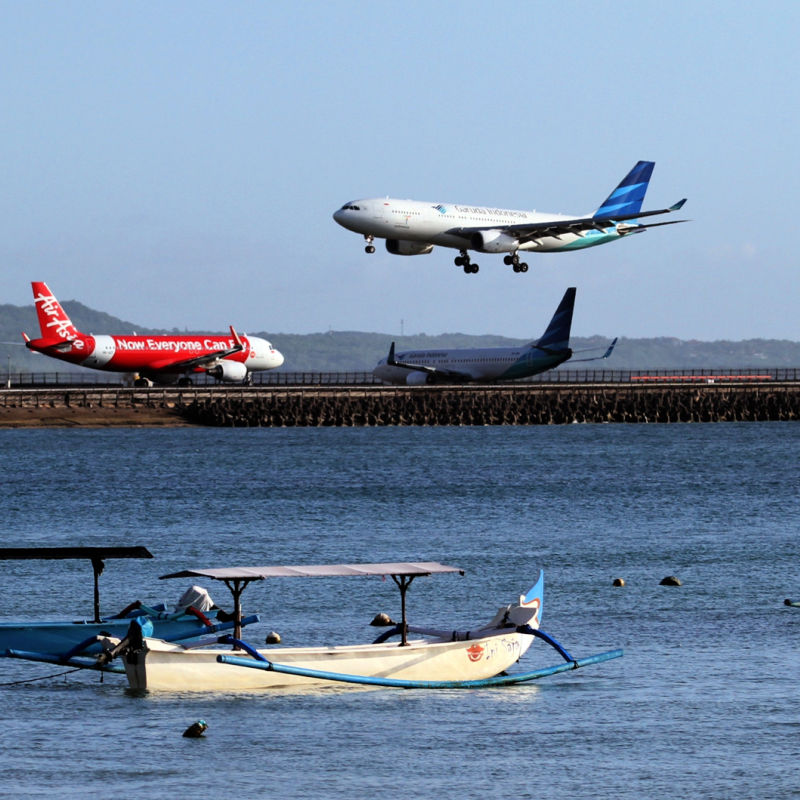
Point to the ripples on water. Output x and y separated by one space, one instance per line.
704 703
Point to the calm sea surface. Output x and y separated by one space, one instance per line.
704 704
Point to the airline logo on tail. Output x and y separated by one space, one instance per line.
53 320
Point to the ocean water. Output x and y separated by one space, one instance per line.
704 704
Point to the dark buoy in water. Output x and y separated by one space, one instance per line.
382 621
670 580
273 638
196 729
619 581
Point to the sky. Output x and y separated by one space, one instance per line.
177 164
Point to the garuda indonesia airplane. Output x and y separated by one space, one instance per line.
488 364
413 227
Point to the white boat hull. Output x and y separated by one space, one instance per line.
171 667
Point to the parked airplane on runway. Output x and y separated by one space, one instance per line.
160 359
412 227
488 364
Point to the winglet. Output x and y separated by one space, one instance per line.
390 359
677 205
610 348
236 338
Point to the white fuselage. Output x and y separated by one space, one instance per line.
481 364
429 222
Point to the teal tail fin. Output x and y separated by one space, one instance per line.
556 337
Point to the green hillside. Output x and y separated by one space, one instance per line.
353 351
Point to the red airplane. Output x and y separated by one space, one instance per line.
160 359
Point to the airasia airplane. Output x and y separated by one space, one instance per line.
413 227
159 359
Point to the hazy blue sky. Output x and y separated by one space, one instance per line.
177 164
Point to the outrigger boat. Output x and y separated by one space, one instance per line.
443 659
193 616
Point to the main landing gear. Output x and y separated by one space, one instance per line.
513 260
463 261
369 238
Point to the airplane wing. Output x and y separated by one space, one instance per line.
447 374
597 358
200 361
528 231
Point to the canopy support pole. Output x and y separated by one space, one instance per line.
97 568
236 587
403 582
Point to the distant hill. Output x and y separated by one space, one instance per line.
353 351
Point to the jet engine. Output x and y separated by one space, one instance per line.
230 371
403 247
416 378
493 242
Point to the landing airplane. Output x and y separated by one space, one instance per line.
159 359
489 364
412 227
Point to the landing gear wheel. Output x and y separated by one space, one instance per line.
184 381
471 268
523 267
369 239
515 267
459 261
369 248
508 260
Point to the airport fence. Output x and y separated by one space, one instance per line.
25 380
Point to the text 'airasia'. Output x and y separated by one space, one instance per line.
163 359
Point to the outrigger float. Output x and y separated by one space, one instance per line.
60 640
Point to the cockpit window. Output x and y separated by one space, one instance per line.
350 207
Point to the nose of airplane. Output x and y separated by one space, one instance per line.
338 215
277 357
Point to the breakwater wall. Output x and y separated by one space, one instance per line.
507 405
525 404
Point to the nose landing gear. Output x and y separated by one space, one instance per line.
462 260
369 238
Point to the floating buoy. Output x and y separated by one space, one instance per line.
619 581
196 729
670 580
382 620
273 638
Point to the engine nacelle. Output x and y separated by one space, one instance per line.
493 242
403 247
417 378
230 371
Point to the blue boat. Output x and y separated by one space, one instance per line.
193 616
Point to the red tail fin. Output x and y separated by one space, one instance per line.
53 320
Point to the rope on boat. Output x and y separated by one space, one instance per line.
42 678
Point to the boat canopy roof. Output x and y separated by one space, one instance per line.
399 568
13 553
